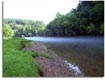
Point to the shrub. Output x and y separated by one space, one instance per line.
7 31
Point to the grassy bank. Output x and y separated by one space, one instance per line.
18 62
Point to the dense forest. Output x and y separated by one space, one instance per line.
86 19
24 27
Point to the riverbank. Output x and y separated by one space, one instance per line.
18 62
24 58
79 51
55 67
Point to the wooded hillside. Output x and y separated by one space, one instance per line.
86 19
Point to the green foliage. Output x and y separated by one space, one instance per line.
59 15
78 21
7 31
90 29
16 62
83 29
25 27
102 28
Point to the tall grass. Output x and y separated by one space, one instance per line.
17 62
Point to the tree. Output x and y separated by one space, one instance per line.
102 29
7 31
25 27
91 29
58 15
86 19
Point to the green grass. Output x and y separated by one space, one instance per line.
46 55
17 62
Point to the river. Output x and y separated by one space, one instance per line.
86 52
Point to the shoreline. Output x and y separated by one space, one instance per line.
58 67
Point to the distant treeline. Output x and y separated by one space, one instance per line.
86 19
25 27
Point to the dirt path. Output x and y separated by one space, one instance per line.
51 68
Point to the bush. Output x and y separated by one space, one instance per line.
7 31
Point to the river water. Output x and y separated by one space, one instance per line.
86 52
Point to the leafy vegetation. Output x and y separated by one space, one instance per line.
86 19
25 27
7 31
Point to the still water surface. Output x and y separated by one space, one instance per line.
86 52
